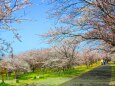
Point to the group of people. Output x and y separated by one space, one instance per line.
104 62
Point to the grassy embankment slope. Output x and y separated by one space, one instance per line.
49 78
113 74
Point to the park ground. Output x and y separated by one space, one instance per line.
95 75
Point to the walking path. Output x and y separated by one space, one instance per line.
100 76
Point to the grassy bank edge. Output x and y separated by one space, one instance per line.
112 83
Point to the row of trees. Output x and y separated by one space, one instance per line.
58 58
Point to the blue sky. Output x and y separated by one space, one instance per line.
29 29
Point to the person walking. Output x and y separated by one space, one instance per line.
102 62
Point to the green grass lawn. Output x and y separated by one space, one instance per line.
113 74
50 78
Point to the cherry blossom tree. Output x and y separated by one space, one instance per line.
16 65
35 58
4 67
66 50
86 20
113 54
7 10
90 56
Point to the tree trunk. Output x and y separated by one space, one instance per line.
16 77
33 69
87 65
9 75
2 78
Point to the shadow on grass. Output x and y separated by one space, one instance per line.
66 73
100 76
4 84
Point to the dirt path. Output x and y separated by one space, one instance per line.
100 76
